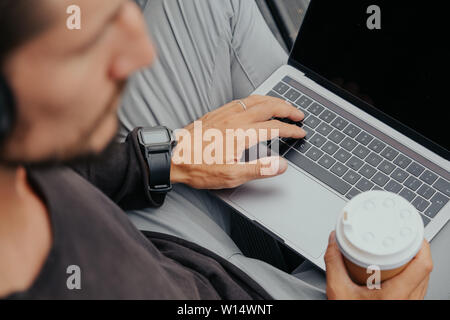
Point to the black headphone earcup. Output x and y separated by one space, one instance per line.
6 108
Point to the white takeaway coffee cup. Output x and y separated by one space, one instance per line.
378 230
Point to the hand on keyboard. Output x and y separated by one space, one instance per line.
204 159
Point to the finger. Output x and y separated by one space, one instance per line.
231 108
251 135
274 108
424 288
235 107
255 99
414 274
274 128
420 292
336 272
242 172
265 168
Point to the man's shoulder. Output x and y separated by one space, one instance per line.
58 178
53 171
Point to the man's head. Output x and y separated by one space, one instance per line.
67 83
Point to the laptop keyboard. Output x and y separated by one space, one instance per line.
351 161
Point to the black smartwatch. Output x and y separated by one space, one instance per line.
157 144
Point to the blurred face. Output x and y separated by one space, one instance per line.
67 83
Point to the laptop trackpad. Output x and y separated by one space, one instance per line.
294 207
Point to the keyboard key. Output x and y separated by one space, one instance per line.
426 191
386 167
292 95
302 146
399 175
437 203
355 163
324 129
380 179
443 186
326 161
342 155
364 138
361 152
352 177
426 220
415 169
402 161
304 102
314 154
306 113
336 136
393 186
349 144
327 116
407 194
364 185
330 148
439 199
316 109
377 188
373 159
339 169
352 193
289 141
420 203
282 148
428 177
318 140
412 183
368 171
312 121
351 130
281 88
376 146
339 123
275 95
389 153
309 132
318 172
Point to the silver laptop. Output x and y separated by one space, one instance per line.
374 118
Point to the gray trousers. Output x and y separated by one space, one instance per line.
210 53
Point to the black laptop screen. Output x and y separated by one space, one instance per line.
398 69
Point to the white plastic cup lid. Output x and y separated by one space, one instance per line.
379 228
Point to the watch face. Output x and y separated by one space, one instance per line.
155 136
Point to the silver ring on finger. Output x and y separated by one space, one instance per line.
244 106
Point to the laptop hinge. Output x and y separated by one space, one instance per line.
292 63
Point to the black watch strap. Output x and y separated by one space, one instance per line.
156 144
159 169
